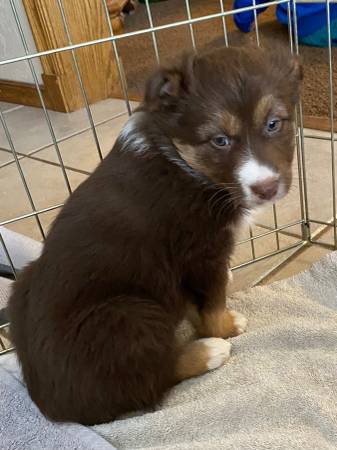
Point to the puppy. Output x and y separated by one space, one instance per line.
149 234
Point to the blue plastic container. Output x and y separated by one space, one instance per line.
311 20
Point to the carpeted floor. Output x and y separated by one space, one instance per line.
139 58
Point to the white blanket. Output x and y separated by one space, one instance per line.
277 392
23 427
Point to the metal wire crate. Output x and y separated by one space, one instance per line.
311 229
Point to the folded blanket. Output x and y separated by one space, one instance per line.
23 427
21 249
5 288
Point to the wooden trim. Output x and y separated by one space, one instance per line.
132 97
318 123
26 93
19 92
61 90
55 96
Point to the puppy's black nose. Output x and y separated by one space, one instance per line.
265 189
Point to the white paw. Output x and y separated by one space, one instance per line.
218 351
240 321
230 276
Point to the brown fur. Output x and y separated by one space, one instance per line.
222 120
217 323
192 157
231 124
268 104
149 232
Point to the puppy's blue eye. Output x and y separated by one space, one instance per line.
273 126
221 141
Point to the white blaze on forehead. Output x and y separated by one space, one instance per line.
252 172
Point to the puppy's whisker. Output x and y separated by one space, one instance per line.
220 191
229 202
225 189
221 186
222 197
215 199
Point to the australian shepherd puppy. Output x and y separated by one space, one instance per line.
148 236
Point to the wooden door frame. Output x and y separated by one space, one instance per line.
61 89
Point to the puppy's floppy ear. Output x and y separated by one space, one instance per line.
294 75
296 68
168 85
287 64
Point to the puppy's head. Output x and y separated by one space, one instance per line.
230 114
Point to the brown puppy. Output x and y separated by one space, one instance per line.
149 233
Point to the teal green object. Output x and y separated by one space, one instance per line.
320 37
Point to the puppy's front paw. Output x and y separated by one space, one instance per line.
218 352
239 322
222 323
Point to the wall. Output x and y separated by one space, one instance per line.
11 45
